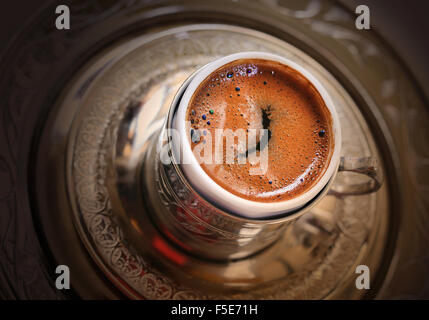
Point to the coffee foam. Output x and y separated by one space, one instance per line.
247 94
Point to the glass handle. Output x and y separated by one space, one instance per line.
366 166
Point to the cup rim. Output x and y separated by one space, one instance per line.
214 193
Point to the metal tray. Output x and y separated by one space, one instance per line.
110 58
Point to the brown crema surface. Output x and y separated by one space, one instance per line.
261 94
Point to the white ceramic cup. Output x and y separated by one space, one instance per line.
208 188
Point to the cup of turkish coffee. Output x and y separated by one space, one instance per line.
252 142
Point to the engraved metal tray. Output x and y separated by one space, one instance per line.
140 54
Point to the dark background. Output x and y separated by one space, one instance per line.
404 24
